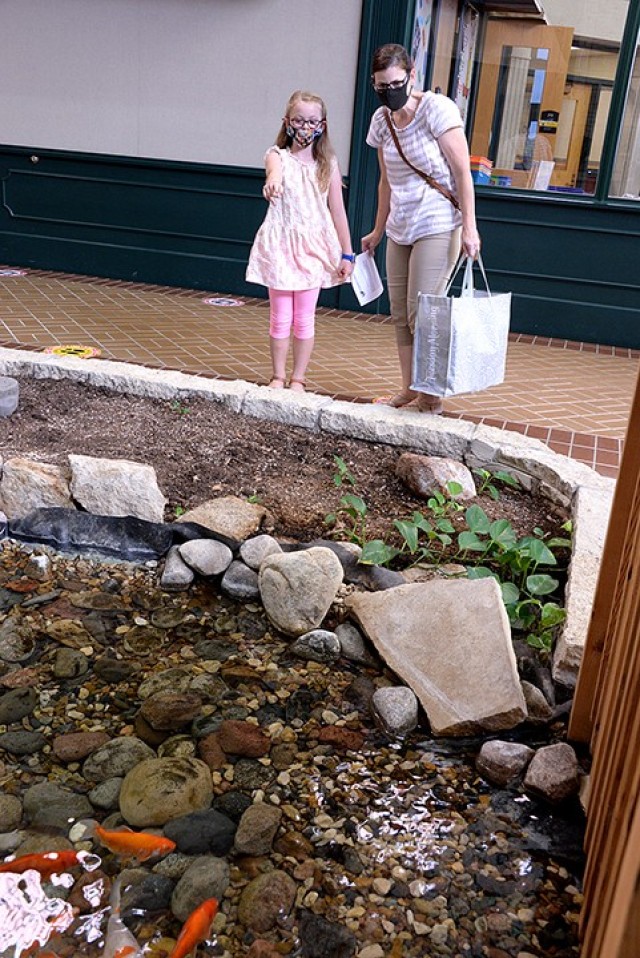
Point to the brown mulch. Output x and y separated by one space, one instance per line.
201 450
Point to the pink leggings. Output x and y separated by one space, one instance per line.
297 307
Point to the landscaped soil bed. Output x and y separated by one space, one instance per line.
201 450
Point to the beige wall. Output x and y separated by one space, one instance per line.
600 19
196 80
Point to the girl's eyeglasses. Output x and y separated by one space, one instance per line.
298 123
394 85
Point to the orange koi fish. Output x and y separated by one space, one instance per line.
138 846
47 863
196 928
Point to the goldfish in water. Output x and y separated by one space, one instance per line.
138 846
196 928
47 863
119 942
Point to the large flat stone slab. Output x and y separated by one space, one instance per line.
450 641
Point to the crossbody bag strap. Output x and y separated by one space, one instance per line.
425 176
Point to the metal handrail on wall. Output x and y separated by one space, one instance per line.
606 714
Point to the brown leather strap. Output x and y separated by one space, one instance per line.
425 176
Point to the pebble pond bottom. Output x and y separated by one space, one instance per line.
381 848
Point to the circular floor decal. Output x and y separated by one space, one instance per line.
80 352
222 301
13 272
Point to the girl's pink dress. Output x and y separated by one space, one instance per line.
297 246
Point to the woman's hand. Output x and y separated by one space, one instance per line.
370 241
273 189
470 242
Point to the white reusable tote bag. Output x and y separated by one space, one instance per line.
460 343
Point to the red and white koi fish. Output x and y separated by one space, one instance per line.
119 942
47 863
196 928
138 846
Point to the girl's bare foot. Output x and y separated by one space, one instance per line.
297 385
276 382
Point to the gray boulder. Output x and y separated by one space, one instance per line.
502 762
553 773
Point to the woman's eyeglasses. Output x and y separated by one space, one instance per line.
394 85
298 123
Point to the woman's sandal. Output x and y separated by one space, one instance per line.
398 401
430 404
299 386
276 382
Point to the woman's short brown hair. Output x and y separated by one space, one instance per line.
390 55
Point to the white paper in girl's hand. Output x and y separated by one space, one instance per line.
365 279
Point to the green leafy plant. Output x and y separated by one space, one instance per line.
520 566
176 406
350 516
425 540
179 511
488 482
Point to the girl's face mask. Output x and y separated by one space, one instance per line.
302 131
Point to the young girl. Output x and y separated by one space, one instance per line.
304 244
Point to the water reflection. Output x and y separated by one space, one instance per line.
28 916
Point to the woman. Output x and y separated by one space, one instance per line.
425 231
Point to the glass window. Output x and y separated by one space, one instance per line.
544 94
626 173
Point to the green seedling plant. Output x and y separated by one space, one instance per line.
488 480
425 540
350 516
176 406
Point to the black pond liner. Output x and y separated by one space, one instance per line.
138 540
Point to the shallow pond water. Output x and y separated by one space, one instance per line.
391 848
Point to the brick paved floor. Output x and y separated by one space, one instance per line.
574 396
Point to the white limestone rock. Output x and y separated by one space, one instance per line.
116 487
297 588
450 641
27 485
591 510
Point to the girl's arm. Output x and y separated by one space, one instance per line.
335 200
273 187
371 240
454 146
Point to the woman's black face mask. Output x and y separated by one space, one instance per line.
394 99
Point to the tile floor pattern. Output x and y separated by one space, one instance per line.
573 396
